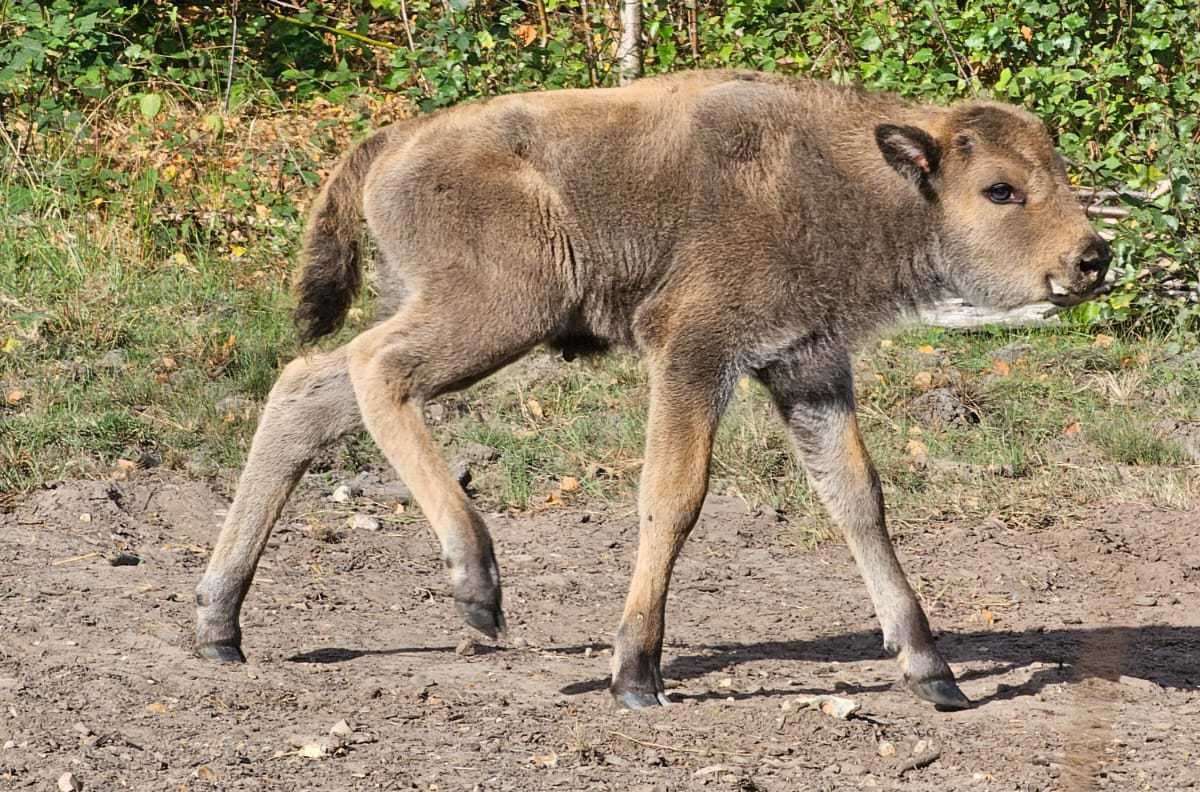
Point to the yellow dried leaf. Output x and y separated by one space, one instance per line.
925 349
1001 367
1072 428
535 408
923 380
568 484
544 760
917 450
1103 341
156 708
988 617
1026 33
14 396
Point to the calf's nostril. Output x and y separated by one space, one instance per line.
1096 256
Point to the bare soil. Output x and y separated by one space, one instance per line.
1079 641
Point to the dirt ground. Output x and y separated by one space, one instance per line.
1080 642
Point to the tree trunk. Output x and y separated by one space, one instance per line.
629 51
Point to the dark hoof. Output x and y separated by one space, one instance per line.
221 653
943 693
488 619
638 699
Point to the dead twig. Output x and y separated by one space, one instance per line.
679 748
232 56
917 762
73 559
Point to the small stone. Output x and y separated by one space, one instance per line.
10 744
364 522
112 359
461 470
341 493
124 559
478 452
921 747
67 782
1146 601
235 405
834 706
341 729
851 769
85 518
83 730
465 648
886 748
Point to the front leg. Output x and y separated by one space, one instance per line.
686 401
815 395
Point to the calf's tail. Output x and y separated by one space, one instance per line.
331 273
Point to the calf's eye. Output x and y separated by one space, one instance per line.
1002 193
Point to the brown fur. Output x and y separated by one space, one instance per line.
721 224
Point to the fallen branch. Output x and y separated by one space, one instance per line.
957 313
917 762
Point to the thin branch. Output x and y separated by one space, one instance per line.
350 34
679 749
586 15
966 72
543 22
412 47
232 56
693 36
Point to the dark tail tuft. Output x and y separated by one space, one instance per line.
331 275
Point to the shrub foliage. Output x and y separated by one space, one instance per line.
1117 81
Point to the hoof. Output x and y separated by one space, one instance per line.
943 693
488 619
639 699
221 653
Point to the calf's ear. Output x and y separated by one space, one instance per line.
911 152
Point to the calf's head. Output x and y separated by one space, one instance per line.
1010 229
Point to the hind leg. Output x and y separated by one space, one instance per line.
815 396
311 405
424 350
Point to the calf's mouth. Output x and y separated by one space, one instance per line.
1064 297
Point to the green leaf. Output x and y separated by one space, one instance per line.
150 104
869 41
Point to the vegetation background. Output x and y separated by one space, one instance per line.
156 159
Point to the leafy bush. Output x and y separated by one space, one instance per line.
1118 82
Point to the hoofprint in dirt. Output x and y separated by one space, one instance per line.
1080 642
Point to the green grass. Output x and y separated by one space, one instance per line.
122 331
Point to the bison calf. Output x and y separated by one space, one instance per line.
719 223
